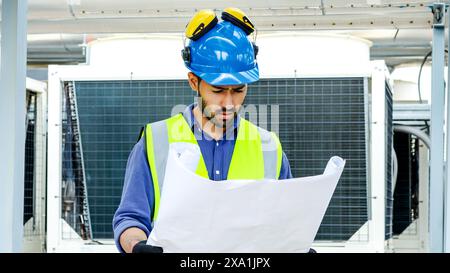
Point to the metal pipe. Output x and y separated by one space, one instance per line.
395 170
414 131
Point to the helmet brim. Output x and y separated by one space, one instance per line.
235 78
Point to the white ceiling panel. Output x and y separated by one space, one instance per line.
400 30
137 16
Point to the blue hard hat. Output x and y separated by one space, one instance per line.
223 56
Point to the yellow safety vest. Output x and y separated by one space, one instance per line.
257 153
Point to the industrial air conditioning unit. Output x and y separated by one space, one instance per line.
34 217
321 94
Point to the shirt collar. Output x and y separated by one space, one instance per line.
195 126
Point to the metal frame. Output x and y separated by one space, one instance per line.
412 112
446 227
12 119
424 208
437 131
368 121
378 165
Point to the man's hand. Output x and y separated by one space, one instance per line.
142 247
130 237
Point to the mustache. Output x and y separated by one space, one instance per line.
229 111
226 110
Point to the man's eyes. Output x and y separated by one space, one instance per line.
235 90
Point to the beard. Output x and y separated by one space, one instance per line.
213 115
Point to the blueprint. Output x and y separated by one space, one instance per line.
201 215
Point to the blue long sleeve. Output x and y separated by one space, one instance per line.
137 197
285 170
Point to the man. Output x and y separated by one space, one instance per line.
222 61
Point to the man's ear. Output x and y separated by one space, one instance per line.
193 81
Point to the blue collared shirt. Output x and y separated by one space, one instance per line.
138 197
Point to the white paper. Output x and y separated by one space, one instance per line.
201 215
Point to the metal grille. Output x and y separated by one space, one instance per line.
389 147
29 182
407 186
318 118
34 175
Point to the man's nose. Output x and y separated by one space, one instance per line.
228 99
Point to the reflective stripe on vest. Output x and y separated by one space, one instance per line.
264 146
